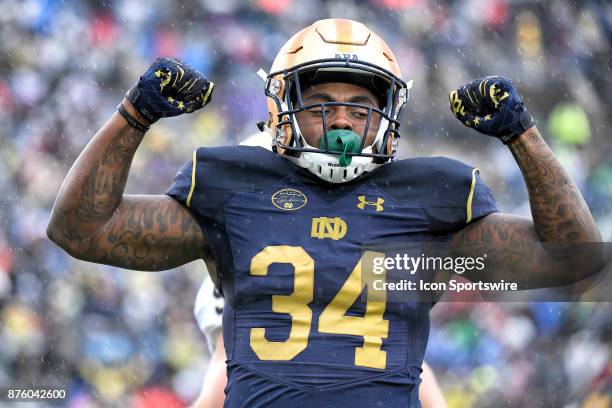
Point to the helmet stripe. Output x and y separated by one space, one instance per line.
344 36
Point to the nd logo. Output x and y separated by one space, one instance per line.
324 227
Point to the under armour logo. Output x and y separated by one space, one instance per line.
363 202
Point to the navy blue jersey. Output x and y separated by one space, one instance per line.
288 246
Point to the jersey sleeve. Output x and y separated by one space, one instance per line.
183 184
480 200
453 193
204 184
199 185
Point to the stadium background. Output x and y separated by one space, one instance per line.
113 336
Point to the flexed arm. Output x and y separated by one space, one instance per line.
92 219
559 211
560 215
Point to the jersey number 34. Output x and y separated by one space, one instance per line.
371 326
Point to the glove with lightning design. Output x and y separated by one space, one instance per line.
169 88
492 106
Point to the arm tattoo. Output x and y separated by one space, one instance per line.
94 221
513 250
147 233
558 209
516 253
105 183
498 228
549 250
94 186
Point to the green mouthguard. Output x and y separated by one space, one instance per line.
342 141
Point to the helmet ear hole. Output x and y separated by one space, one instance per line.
288 134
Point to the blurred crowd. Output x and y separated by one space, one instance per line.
122 338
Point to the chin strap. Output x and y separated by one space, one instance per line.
326 166
340 167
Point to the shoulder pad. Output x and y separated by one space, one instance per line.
239 167
427 180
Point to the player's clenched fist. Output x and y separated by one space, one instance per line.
169 88
492 106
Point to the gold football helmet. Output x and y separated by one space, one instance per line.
335 50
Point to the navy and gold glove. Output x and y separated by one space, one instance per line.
492 106
169 88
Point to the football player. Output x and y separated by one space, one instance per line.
208 310
287 227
